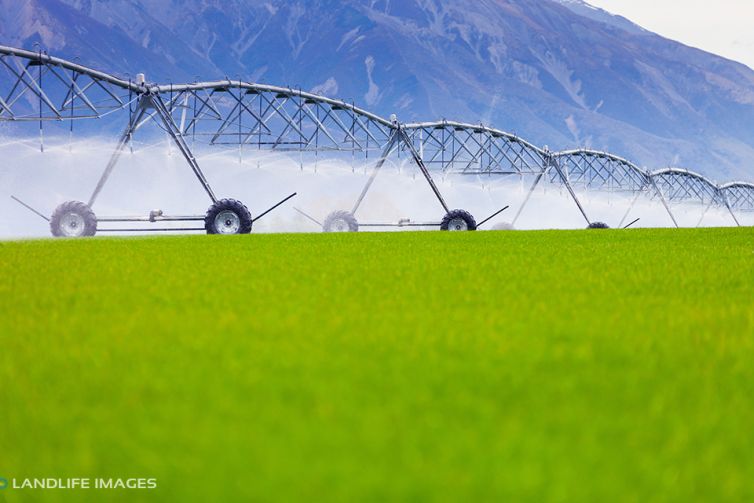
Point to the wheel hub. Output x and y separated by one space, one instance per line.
227 222
458 224
72 225
340 225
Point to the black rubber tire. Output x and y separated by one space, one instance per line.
598 225
455 215
228 205
339 220
58 224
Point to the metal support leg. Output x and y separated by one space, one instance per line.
132 126
177 136
381 162
704 213
730 210
528 196
554 163
664 202
146 102
419 162
630 207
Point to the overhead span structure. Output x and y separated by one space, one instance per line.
684 185
739 195
602 171
474 149
37 87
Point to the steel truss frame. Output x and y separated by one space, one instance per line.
602 171
30 90
37 87
739 195
457 148
679 185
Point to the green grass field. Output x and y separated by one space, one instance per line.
529 366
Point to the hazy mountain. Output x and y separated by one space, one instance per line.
584 9
560 73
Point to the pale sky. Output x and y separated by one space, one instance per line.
724 27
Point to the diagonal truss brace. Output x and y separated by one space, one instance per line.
398 136
663 201
153 102
553 162
550 161
730 209
391 144
647 184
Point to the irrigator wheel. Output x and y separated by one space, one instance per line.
228 216
458 220
73 219
340 221
598 225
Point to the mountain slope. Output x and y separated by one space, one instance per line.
557 72
589 11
